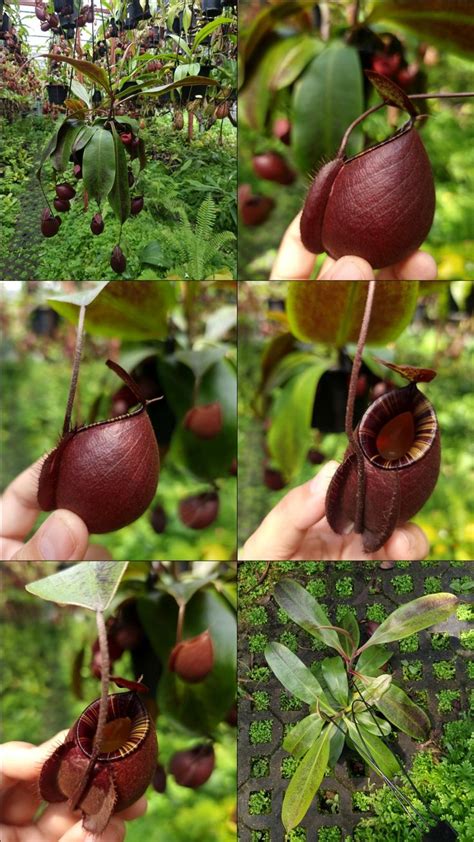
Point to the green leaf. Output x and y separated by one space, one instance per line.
98 164
301 737
349 624
300 50
126 309
306 781
92 71
332 313
81 92
51 144
201 361
187 82
372 659
82 138
372 689
295 676
66 138
373 724
200 708
182 590
327 98
337 744
335 676
450 25
119 196
396 706
152 255
291 421
369 746
90 584
413 617
209 28
306 612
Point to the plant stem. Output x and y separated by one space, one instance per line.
359 515
180 624
374 108
364 328
105 677
75 369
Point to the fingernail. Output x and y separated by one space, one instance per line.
409 538
347 270
56 541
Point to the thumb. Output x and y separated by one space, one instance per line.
281 532
62 537
349 269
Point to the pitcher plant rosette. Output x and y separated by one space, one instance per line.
352 700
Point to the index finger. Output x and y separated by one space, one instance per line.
293 262
19 504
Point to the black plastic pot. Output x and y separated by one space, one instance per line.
96 97
64 7
212 8
56 93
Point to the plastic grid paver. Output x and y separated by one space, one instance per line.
371 585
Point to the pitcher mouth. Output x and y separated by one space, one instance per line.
127 713
398 429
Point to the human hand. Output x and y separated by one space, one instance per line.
62 537
19 801
297 529
294 263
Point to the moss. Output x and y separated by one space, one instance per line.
446 698
345 587
465 613
402 584
467 639
361 802
375 585
410 644
260 836
462 585
256 616
283 617
318 645
260 700
259 767
432 584
261 731
444 670
257 643
329 834
412 670
311 567
376 612
440 641
298 834
260 802
403 564
290 640
289 702
470 669
261 674
317 588
344 566
288 767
